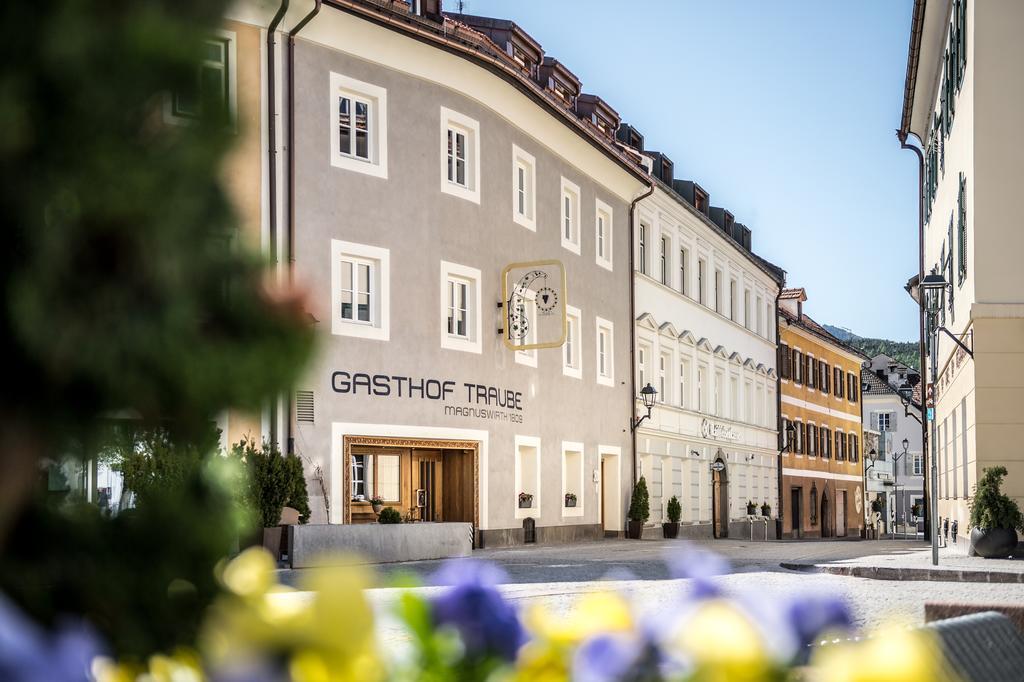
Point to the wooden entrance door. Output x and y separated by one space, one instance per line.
600 494
427 487
797 521
841 514
720 503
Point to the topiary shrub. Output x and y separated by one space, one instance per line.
389 515
674 510
640 504
275 481
990 508
298 498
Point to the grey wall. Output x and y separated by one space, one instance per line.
408 214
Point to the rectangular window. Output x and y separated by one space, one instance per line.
212 93
798 437
734 398
605 353
524 184
719 388
359 477
702 269
961 230
460 155
748 318
457 149
733 306
684 257
642 248
359 290
665 361
718 291
702 399
570 212
664 260
387 471
641 364
359 132
812 440
460 308
853 388
760 316
811 372
826 443
572 360
684 384
798 367
918 465
603 234
837 381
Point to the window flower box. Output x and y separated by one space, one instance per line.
525 500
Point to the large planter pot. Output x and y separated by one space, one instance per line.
376 508
634 529
993 543
671 530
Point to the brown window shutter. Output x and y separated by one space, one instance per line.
812 371
785 362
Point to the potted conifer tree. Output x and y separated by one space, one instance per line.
995 517
639 510
674 511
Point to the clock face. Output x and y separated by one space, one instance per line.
547 299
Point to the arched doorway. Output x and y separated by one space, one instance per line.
719 499
826 517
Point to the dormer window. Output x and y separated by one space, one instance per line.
701 200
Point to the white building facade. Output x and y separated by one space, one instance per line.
962 102
705 340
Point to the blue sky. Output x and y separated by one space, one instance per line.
784 111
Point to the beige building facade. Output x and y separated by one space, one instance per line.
962 103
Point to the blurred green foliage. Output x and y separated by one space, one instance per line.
128 291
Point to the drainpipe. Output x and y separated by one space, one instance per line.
272 164
902 136
290 234
778 415
632 324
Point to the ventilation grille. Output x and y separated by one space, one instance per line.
304 406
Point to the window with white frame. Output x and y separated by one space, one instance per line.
572 360
734 397
358 477
570 216
529 357
605 353
718 291
359 131
684 259
524 189
702 276
603 234
664 387
759 407
572 479
769 321
460 308
213 93
642 235
359 290
733 312
527 476
748 402
460 155
760 317
719 389
748 318
684 383
643 355
918 465
702 388
665 272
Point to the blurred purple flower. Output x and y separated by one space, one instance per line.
699 565
811 615
605 658
28 653
487 623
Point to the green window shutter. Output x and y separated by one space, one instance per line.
961 228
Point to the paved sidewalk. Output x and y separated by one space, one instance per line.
916 564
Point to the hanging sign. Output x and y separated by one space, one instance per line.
533 298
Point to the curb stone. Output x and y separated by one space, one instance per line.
909 574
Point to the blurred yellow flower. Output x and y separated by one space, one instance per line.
892 654
250 574
594 613
720 640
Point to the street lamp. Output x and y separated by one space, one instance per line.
648 395
933 289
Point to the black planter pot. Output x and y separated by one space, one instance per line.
993 543
634 530
671 530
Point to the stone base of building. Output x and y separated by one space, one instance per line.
545 535
818 508
738 530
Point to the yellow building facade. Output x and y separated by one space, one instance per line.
822 463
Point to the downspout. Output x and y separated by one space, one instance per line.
272 164
920 323
632 324
778 415
290 234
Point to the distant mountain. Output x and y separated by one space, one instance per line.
901 351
